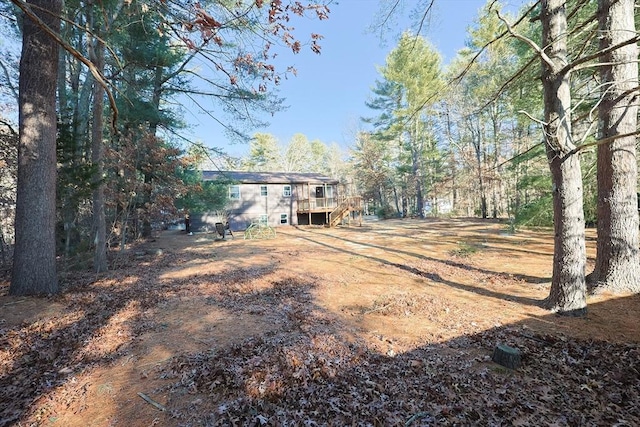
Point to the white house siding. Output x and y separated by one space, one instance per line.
252 205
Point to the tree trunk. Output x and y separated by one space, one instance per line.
568 288
496 185
476 136
618 261
153 130
396 200
452 165
418 183
99 217
34 265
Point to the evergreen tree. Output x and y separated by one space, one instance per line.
618 258
34 263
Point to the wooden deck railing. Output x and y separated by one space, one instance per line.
320 204
346 206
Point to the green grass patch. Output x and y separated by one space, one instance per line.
465 250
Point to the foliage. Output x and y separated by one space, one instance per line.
404 128
386 212
373 163
198 195
266 154
536 213
74 188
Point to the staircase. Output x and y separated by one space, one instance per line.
345 207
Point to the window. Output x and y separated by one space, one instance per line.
286 191
263 190
234 192
263 219
284 219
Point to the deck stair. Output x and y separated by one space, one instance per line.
344 208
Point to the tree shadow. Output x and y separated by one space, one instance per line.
310 372
97 326
295 362
465 266
435 277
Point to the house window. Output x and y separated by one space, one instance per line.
234 192
284 219
286 191
263 190
263 219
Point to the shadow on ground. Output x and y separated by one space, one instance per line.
235 336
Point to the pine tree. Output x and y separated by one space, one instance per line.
34 264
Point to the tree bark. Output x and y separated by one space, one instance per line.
34 265
618 261
476 140
97 149
568 287
452 165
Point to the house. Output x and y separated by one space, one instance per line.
283 198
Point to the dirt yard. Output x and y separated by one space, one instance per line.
388 324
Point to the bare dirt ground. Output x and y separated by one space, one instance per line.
391 323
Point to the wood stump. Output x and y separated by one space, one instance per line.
507 356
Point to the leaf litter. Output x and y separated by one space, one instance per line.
309 368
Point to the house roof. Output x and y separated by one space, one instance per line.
268 177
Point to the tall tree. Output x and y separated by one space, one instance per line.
264 154
415 66
488 62
618 259
371 159
34 265
405 98
297 154
96 54
568 287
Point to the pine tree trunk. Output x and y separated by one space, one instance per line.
618 260
97 133
158 81
568 287
34 265
477 146
452 165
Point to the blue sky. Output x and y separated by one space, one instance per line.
327 98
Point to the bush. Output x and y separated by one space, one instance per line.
386 212
538 213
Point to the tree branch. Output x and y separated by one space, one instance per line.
425 14
574 65
533 119
8 125
603 141
26 8
8 77
526 40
